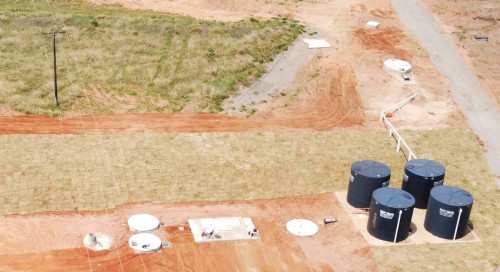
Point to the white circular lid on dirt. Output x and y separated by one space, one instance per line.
145 242
97 241
302 227
143 222
396 65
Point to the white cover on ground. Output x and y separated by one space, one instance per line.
302 227
372 24
143 222
223 228
396 65
145 242
97 241
313 43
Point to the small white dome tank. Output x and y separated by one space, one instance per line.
143 222
145 242
397 65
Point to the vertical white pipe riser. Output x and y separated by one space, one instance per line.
397 226
458 221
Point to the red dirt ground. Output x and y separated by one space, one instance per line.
55 244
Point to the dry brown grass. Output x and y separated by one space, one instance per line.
92 172
177 59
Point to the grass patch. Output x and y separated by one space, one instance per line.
462 34
54 173
111 47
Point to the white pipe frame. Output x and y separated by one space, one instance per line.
392 130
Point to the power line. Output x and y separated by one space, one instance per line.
55 62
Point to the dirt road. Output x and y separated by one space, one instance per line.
481 114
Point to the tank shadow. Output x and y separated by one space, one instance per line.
413 229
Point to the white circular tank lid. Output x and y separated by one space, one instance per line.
302 227
397 65
145 242
143 222
97 241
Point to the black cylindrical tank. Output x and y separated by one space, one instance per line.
366 177
448 212
391 211
421 175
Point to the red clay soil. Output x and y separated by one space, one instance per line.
333 102
140 123
54 241
386 40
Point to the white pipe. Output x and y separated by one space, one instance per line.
397 226
458 221
392 130
400 104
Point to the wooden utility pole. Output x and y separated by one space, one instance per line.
55 63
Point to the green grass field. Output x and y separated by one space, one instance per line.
165 62
92 172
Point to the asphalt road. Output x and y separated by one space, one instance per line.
482 115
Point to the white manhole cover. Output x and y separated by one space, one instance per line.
302 227
145 242
143 222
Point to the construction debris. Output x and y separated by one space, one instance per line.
329 220
481 37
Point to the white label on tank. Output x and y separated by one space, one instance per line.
351 178
386 215
438 183
446 213
405 177
385 184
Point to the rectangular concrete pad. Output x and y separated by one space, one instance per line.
419 236
226 228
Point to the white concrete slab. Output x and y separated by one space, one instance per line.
224 229
314 43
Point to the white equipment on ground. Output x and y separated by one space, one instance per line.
145 243
372 24
314 43
399 66
97 241
302 227
143 222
